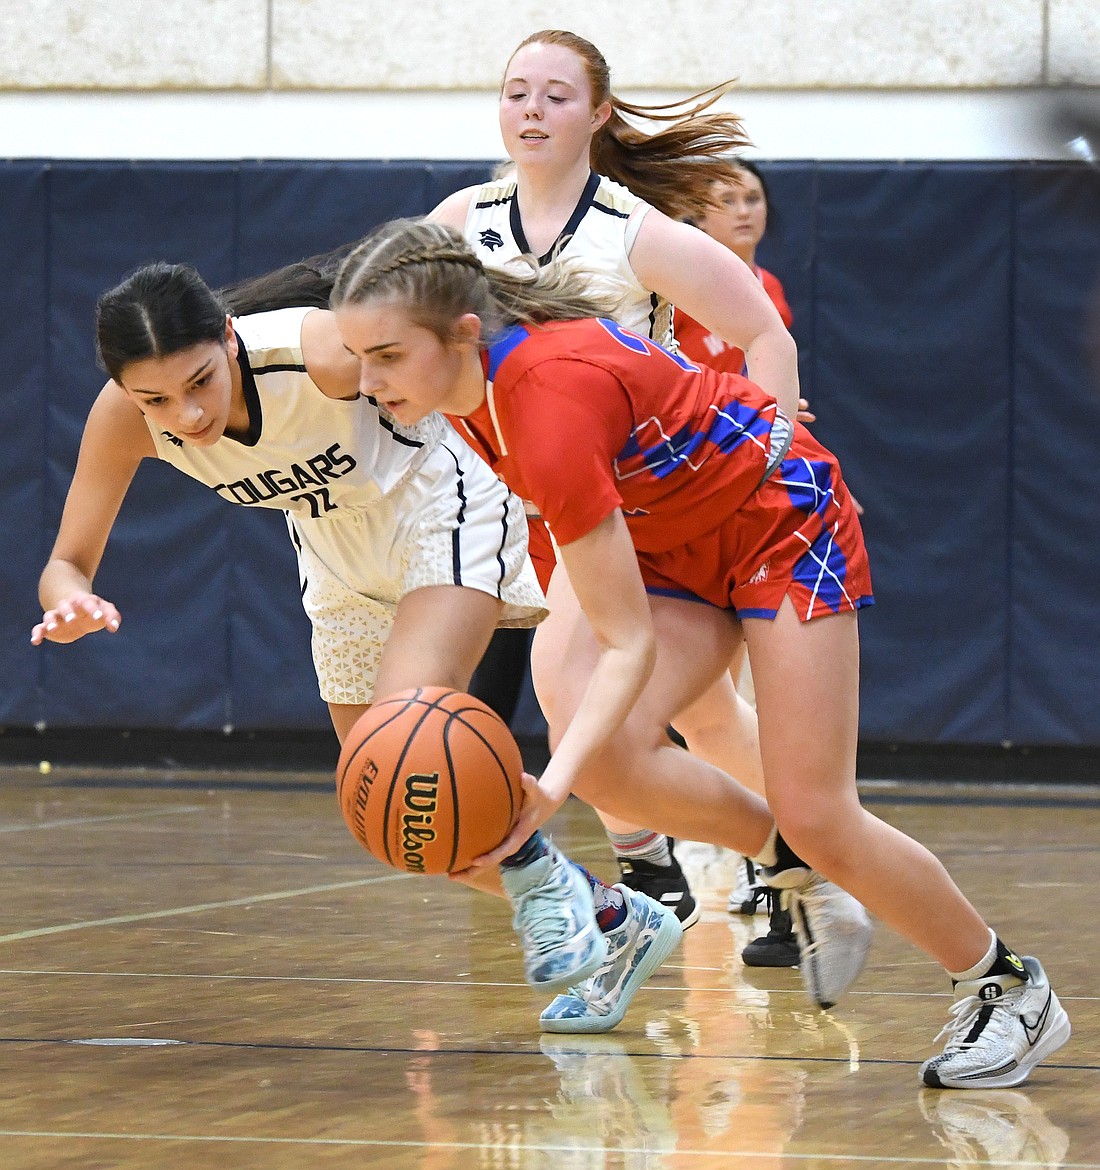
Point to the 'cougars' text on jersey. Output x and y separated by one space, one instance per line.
304 453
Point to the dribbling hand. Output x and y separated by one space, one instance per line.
75 616
537 808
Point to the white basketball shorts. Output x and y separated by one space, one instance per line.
450 521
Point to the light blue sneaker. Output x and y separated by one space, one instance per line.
555 919
634 951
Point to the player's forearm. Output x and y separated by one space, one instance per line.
772 360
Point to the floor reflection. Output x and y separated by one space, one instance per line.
994 1127
609 1100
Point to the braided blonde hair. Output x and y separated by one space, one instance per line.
429 270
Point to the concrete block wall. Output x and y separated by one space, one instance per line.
317 45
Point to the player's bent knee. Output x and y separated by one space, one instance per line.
823 840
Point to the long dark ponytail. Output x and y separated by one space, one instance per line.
303 284
163 308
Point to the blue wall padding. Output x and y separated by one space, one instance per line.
1053 684
940 310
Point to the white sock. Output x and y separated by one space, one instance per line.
644 845
981 967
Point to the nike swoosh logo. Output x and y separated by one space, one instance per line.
1032 1031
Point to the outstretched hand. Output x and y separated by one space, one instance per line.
75 616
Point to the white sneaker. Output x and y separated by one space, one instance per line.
1000 1029
555 919
834 935
747 894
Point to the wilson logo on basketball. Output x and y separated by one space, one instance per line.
429 779
421 796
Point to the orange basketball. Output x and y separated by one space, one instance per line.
429 779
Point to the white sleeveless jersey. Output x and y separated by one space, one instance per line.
305 454
598 238
375 509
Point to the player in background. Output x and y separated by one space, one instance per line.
410 550
737 217
588 185
652 471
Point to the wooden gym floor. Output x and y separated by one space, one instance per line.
203 970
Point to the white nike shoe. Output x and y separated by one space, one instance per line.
1001 1027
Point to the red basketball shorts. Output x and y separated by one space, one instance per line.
796 536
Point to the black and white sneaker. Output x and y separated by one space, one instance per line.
665 884
1001 1027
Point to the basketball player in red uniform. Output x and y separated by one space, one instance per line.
738 219
654 473
604 183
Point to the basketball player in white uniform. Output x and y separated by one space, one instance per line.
598 237
411 550
375 510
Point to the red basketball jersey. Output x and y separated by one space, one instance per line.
585 417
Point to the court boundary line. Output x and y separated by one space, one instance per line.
198 908
386 1049
458 982
69 822
539 1147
